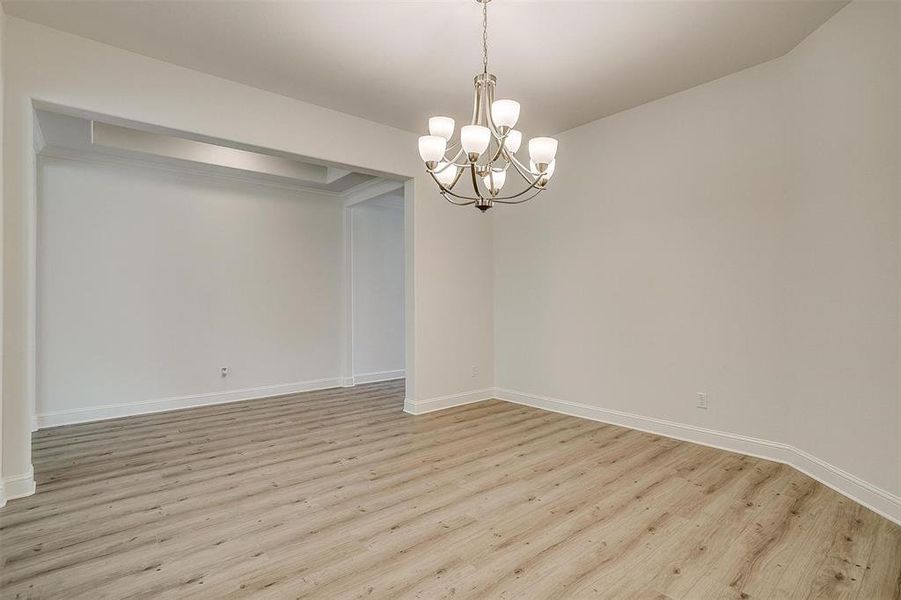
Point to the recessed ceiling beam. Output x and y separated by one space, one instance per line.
172 147
333 174
370 189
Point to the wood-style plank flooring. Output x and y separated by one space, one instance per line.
339 494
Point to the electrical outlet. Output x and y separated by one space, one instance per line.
475 371
702 400
223 371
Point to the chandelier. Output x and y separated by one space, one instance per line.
487 147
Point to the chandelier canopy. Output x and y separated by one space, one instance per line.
487 147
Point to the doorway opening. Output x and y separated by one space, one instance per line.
173 272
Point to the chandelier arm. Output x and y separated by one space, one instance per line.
521 169
447 190
487 155
449 162
457 203
500 148
442 188
461 166
489 119
456 179
527 177
499 201
526 173
535 186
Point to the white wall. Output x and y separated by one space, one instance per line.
378 290
2 88
843 93
740 239
448 267
150 280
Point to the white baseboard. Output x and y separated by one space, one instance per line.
127 409
17 486
377 376
878 500
420 407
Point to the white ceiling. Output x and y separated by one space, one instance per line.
568 63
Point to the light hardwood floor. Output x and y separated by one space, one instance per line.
338 494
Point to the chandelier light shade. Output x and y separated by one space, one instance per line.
505 113
446 173
432 147
542 150
475 139
546 174
495 179
513 141
442 126
487 147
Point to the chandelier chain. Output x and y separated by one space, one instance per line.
484 36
